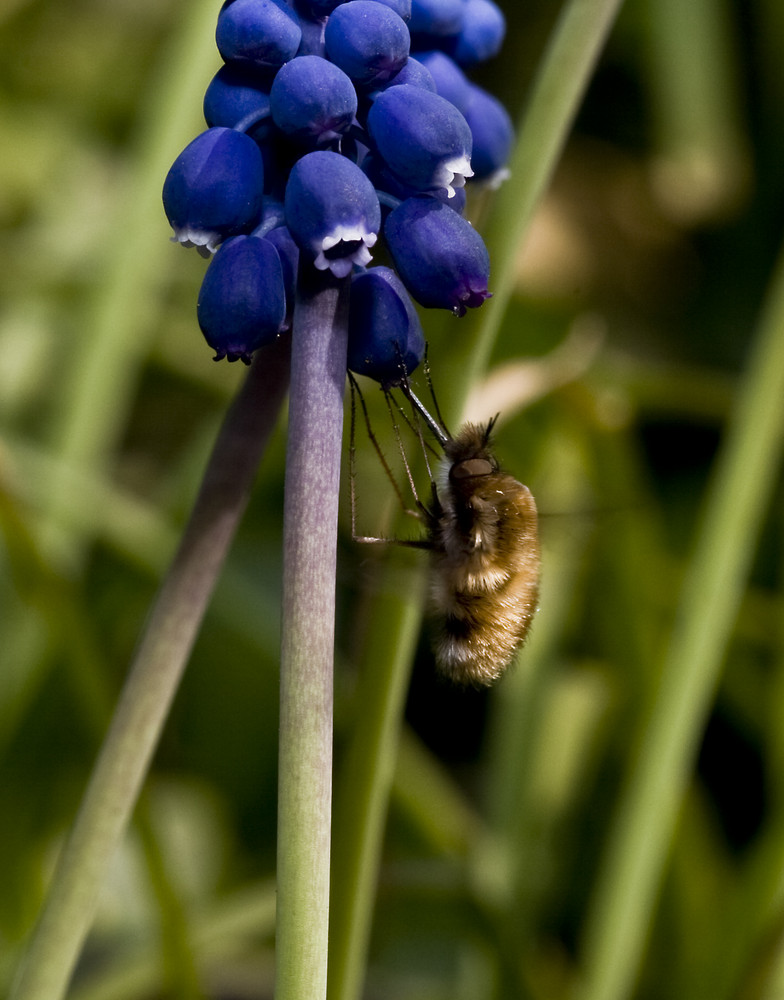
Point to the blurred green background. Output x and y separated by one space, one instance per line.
639 292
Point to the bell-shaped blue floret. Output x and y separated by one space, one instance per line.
332 210
385 339
214 189
264 32
238 94
482 33
242 302
451 82
441 258
312 100
368 40
436 17
493 135
412 73
423 139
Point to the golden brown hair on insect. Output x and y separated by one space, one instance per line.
484 550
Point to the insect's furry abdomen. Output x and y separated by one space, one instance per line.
485 578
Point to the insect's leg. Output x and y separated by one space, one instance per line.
432 391
356 392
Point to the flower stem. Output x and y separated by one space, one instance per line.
310 556
152 682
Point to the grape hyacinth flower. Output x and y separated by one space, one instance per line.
385 338
423 139
481 34
262 32
312 100
439 255
332 211
335 127
214 189
242 302
368 40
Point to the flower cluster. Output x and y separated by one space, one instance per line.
331 124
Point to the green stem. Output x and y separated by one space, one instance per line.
310 556
152 681
736 502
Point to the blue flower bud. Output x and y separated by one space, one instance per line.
436 17
214 189
482 33
332 210
368 40
385 339
312 100
265 32
412 73
451 82
423 138
493 135
239 93
242 302
440 257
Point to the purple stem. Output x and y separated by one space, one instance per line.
318 379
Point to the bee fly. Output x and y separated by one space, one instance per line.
482 536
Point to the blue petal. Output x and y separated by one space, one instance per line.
385 339
236 93
482 33
242 301
368 40
440 257
332 211
214 188
423 138
265 32
312 100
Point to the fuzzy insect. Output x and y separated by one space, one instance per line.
484 585
483 540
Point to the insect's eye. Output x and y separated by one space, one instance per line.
471 467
